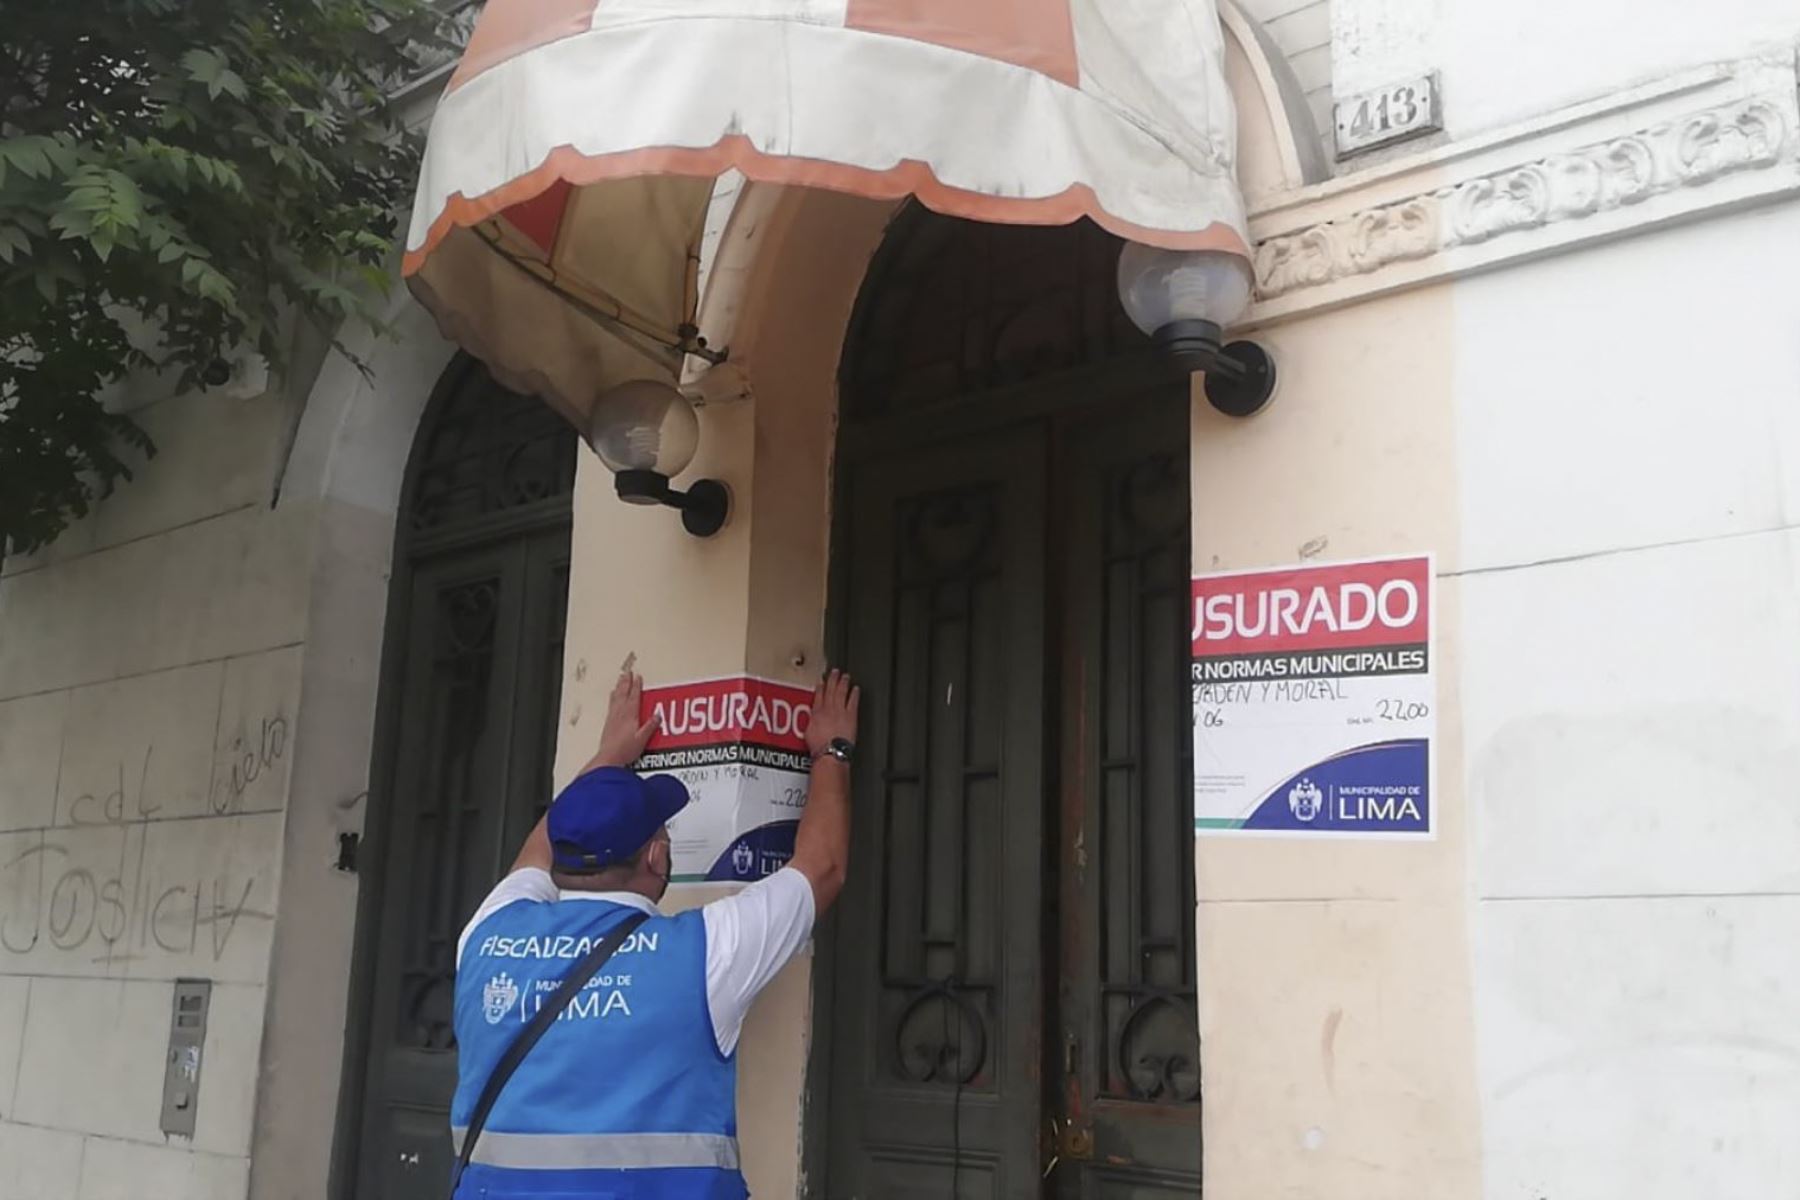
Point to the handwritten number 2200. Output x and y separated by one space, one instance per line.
1401 710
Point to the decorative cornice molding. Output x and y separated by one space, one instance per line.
1607 175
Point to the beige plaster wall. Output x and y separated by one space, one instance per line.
749 600
1337 1034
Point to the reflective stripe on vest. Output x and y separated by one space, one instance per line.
610 1151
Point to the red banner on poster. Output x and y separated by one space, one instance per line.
720 711
1331 607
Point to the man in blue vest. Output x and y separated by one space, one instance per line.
631 1094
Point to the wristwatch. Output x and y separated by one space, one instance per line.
842 749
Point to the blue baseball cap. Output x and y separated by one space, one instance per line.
606 816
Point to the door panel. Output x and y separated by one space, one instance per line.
1129 1068
937 1015
530 784
476 727
451 754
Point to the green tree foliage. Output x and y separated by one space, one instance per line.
208 169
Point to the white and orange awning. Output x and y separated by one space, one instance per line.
572 159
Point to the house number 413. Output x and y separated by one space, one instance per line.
1388 115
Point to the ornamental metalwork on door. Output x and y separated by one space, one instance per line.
1008 989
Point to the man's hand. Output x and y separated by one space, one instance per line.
624 736
622 741
834 708
822 843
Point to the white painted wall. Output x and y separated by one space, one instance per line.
1379 42
1631 695
1508 61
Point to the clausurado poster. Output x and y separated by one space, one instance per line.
740 746
1315 701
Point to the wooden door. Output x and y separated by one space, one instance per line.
935 1076
1126 1074
1011 1000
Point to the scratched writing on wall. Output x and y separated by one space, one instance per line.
254 753
71 893
123 911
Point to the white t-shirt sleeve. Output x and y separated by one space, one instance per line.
749 938
526 883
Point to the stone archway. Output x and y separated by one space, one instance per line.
342 481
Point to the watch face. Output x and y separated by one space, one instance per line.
841 748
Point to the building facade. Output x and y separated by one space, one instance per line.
276 714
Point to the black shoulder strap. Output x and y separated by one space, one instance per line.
572 983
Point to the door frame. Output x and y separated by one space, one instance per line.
1122 379
372 851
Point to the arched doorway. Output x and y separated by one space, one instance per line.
470 689
1009 997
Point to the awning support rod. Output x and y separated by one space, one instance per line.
597 306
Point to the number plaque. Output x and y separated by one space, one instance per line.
1388 115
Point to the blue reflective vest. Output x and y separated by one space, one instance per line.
626 1096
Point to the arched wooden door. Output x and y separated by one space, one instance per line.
469 696
1010 999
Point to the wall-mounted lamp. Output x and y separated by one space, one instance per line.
1184 299
646 433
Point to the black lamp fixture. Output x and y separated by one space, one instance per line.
646 433
1185 299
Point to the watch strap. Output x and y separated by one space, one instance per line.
838 748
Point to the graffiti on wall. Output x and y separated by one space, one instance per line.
76 891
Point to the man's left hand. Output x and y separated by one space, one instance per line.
624 736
